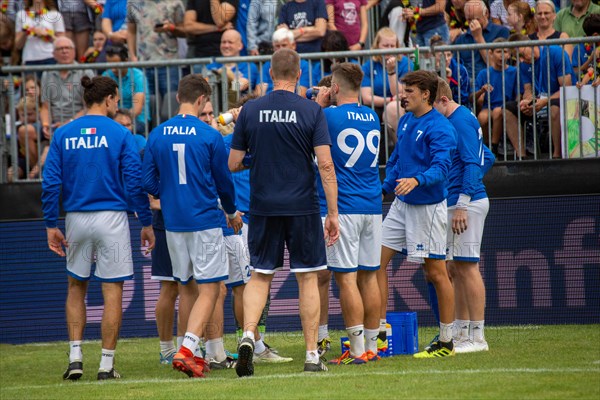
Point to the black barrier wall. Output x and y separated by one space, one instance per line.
540 263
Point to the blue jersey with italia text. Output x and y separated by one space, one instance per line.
185 164
355 135
281 130
466 172
96 162
424 151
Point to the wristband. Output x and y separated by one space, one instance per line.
463 202
361 44
171 28
391 73
301 31
232 216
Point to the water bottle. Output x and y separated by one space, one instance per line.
225 118
311 93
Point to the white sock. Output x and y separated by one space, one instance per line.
323 332
167 347
356 334
461 329
382 324
108 360
259 346
312 357
200 350
248 334
477 331
446 332
371 340
190 342
179 342
75 353
215 349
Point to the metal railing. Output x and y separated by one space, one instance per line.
163 107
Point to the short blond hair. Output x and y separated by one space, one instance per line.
443 89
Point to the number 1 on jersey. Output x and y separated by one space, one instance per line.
179 148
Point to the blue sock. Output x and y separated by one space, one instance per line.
433 302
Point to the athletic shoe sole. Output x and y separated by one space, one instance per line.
244 365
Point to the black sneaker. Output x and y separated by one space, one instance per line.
112 374
244 366
312 367
227 363
74 371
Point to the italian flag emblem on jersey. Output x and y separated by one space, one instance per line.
88 131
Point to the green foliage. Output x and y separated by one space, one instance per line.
525 362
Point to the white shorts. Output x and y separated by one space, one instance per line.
359 245
238 261
419 231
200 255
466 246
101 237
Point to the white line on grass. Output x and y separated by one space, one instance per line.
331 374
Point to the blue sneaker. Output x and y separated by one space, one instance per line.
167 359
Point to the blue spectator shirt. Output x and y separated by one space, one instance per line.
555 55
465 84
490 32
380 76
133 82
116 11
495 79
95 161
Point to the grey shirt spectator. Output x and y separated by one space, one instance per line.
262 19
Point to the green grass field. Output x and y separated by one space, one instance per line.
524 362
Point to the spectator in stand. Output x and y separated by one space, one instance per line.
428 20
545 15
78 17
158 24
9 55
262 19
586 57
114 21
495 86
30 138
499 11
455 14
457 75
521 18
95 53
241 77
570 19
350 18
132 87
376 90
62 93
393 17
205 21
333 41
283 38
36 27
241 23
123 116
560 75
480 31
307 19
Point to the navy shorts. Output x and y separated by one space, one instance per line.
162 269
302 235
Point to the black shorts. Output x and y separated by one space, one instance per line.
302 235
513 108
162 269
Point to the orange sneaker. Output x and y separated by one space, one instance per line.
347 358
373 356
191 366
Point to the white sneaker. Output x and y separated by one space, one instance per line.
463 346
269 356
470 346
